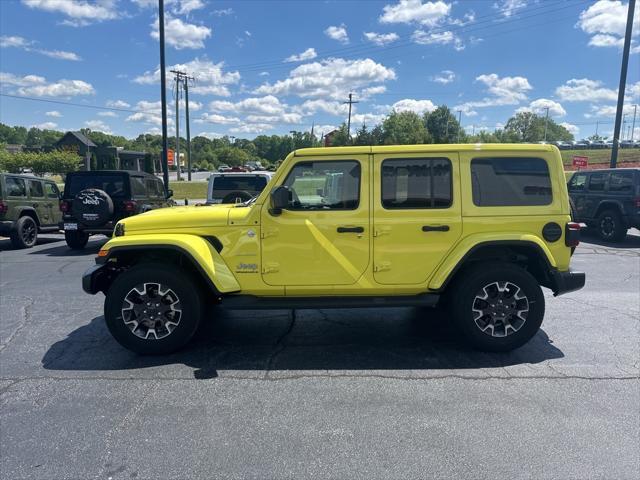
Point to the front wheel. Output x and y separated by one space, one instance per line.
497 307
153 310
76 239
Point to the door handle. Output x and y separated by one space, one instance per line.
350 229
435 228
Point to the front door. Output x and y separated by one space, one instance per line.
322 237
416 215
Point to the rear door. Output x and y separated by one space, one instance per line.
596 192
416 214
38 201
577 191
52 194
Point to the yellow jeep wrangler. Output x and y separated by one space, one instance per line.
479 228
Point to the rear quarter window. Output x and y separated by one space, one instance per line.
114 184
621 182
510 181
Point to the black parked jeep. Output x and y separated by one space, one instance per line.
607 200
93 202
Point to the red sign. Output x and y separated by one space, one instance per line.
170 157
580 162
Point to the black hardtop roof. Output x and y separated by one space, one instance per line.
619 169
26 176
132 173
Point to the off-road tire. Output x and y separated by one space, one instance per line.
471 281
610 227
25 233
181 284
76 239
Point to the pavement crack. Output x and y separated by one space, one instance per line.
26 317
280 345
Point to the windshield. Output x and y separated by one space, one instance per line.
226 184
114 184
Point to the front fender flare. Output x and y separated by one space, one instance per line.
200 251
455 258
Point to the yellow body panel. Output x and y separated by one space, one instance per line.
299 253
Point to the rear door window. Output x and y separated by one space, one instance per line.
577 182
35 189
621 182
16 187
416 183
510 181
51 189
597 181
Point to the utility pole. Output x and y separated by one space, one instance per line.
163 101
623 83
186 101
633 125
546 121
459 125
350 102
597 125
177 154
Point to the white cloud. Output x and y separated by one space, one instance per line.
216 118
267 109
411 105
444 77
98 125
37 86
263 74
78 12
437 38
149 113
414 11
252 128
338 33
606 21
573 129
540 105
54 114
608 110
330 107
46 125
223 12
28 46
329 78
585 90
381 39
7 41
210 135
117 104
308 54
181 35
502 90
210 79
187 6
507 8
108 114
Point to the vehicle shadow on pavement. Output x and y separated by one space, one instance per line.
630 241
312 340
5 243
64 251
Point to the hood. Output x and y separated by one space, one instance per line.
178 218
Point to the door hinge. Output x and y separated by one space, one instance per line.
270 267
271 232
382 266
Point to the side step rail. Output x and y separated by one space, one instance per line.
249 302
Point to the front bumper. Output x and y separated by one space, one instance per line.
568 281
95 279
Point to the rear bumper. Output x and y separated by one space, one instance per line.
568 281
106 229
6 227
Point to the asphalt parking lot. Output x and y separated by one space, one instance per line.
386 393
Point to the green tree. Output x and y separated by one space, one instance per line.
404 128
528 127
443 126
341 137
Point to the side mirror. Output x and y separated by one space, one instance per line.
279 199
169 193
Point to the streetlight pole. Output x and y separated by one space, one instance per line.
623 82
546 121
163 100
459 125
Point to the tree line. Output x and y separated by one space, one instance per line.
438 126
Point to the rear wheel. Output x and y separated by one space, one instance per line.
153 310
497 307
610 226
25 234
76 239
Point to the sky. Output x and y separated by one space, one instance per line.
270 67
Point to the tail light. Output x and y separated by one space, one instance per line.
129 206
4 208
65 207
572 234
637 200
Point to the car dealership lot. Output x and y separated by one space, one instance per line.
324 393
